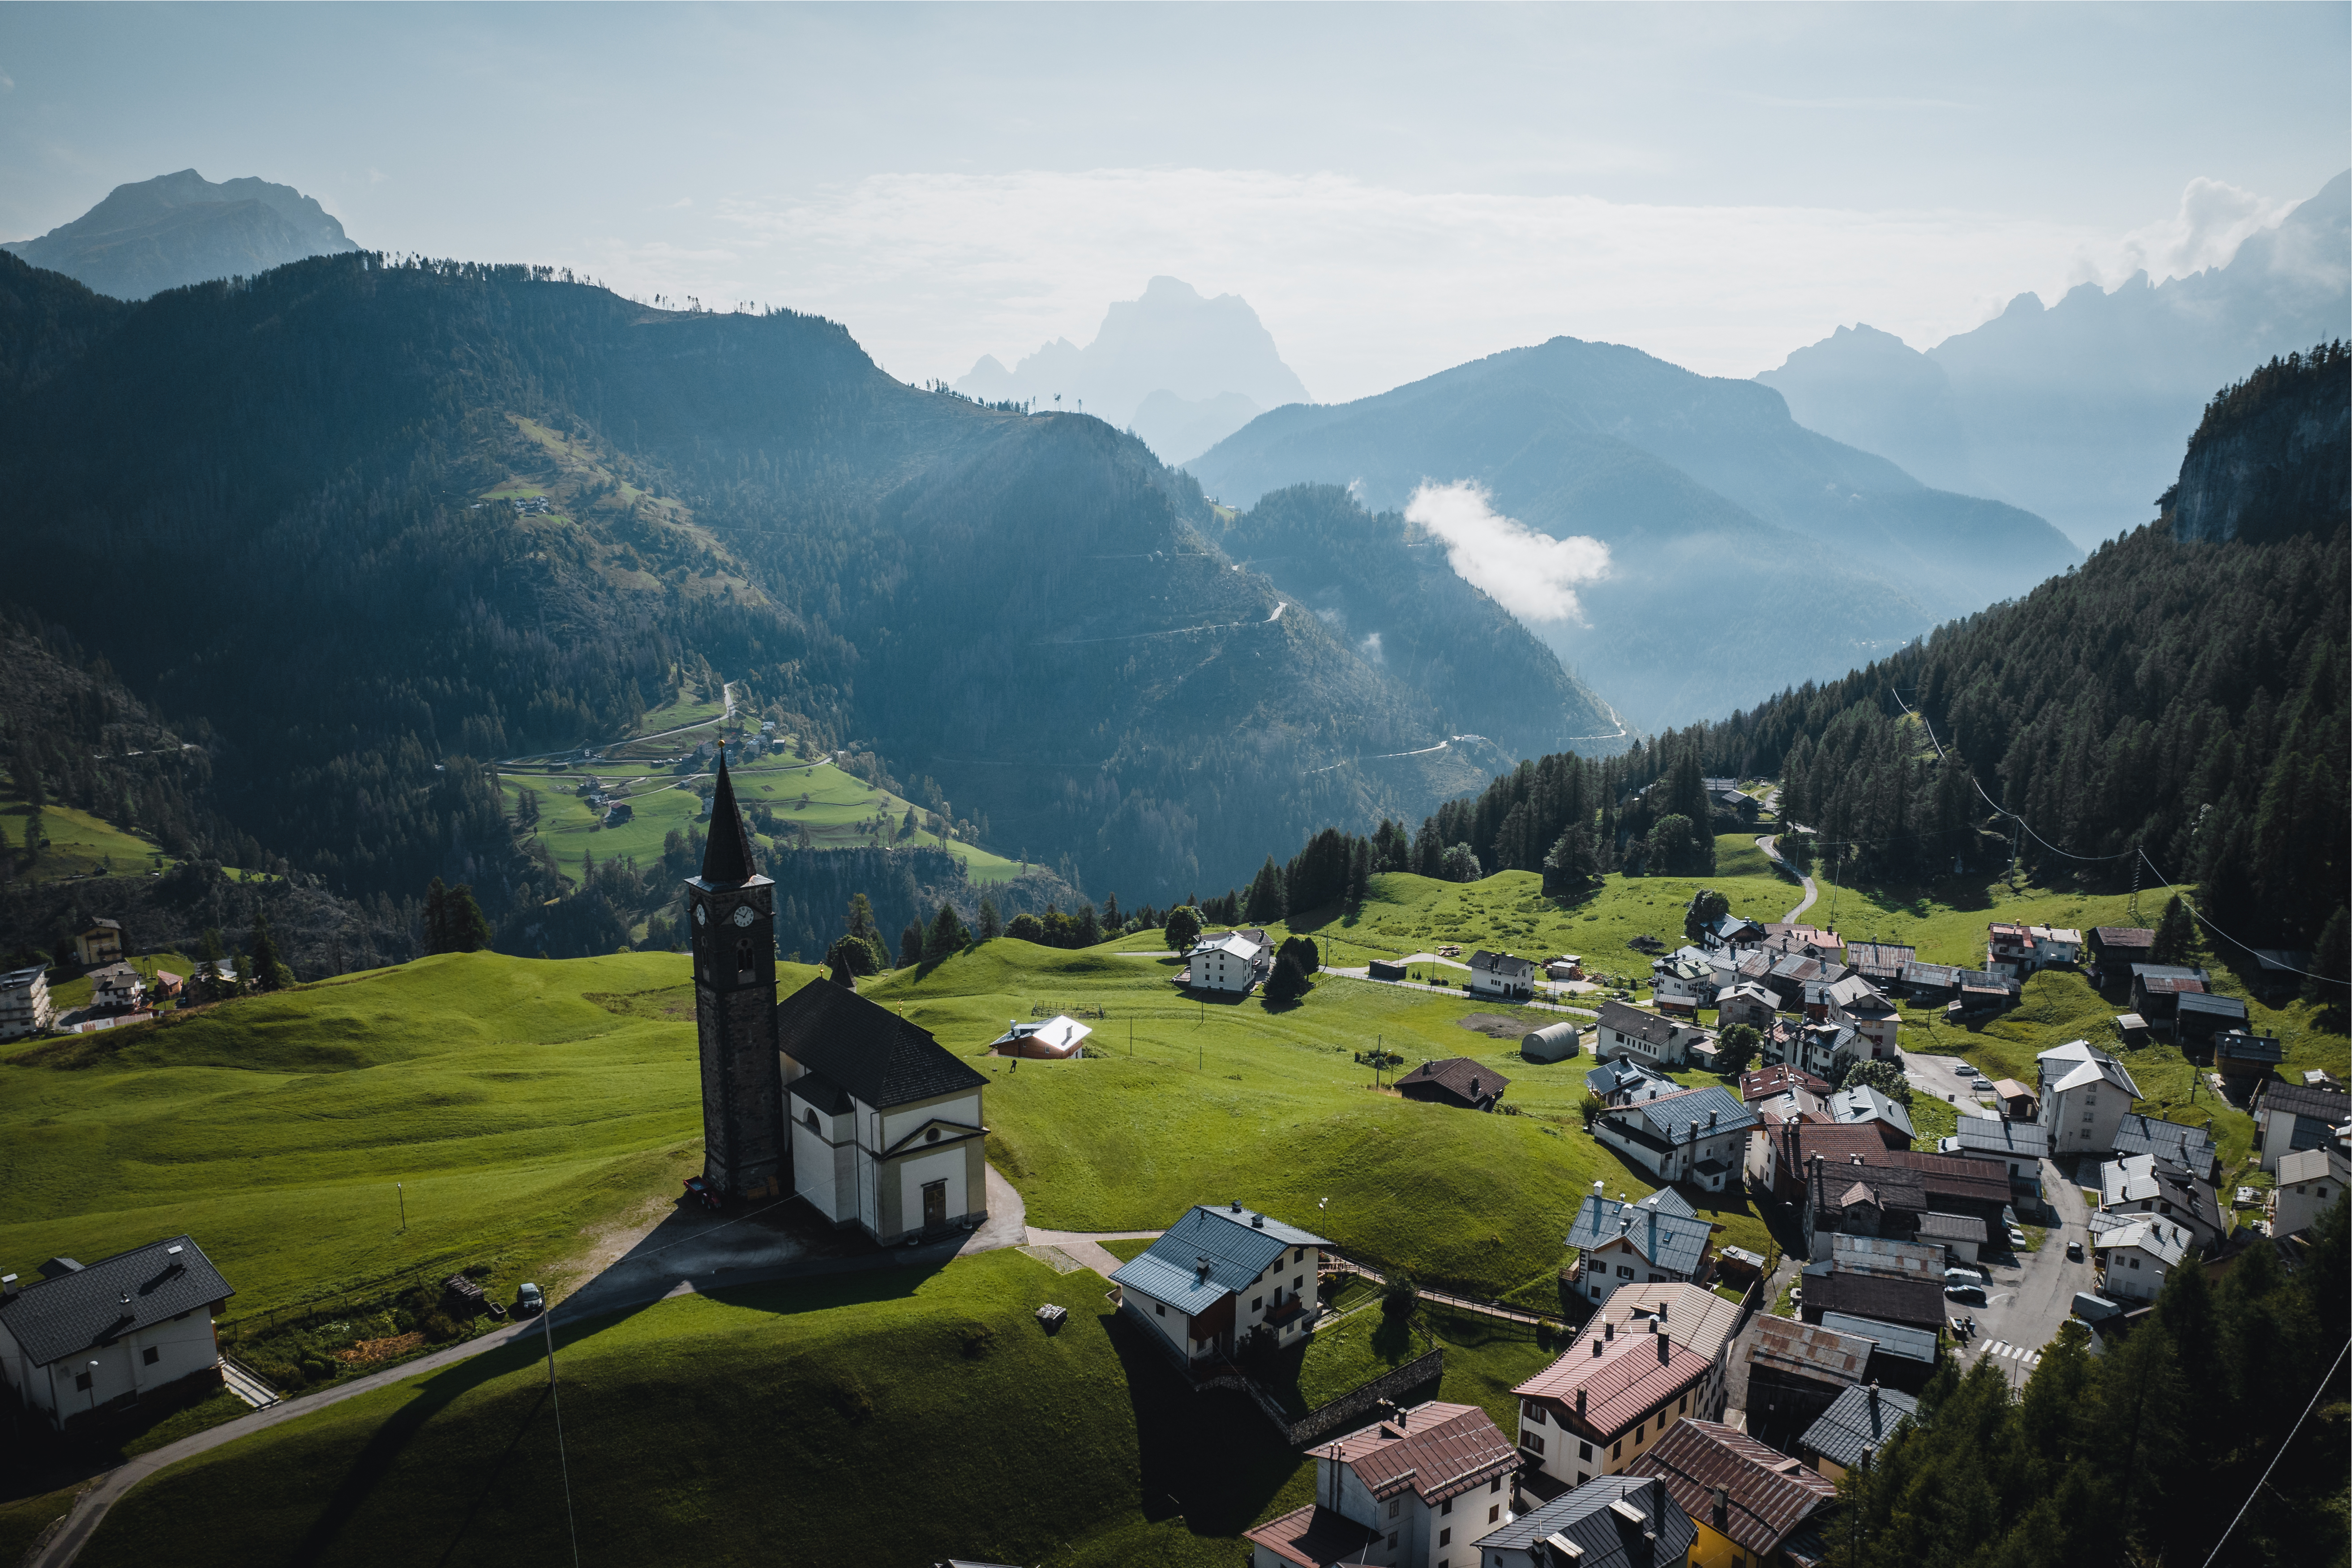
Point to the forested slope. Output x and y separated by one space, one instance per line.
316 469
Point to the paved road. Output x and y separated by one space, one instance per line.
1940 1077
1455 992
1764 842
2033 1293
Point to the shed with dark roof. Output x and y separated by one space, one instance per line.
1456 1081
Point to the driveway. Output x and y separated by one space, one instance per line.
2032 1294
1940 1077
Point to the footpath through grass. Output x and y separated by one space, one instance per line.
917 1415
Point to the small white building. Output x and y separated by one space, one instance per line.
1500 974
1863 1008
885 1121
1059 1038
2142 1184
2309 1180
24 1004
1228 962
2016 950
82 1338
1648 1037
1218 1275
1746 1003
2086 1094
1698 1136
117 987
1660 1240
2138 1255
1416 1490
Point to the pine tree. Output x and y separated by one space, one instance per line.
992 924
2176 933
268 970
464 927
436 917
1268 901
946 935
910 945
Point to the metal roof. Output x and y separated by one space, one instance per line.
1807 1350
866 1048
1863 1103
1619 1073
1895 1297
727 860
1857 1419
75 1310
1502 963
1670 1240
1238 1244
2239 1045
1691 1113
1603 1535
1935 1226
1998 1135
2140 1134
2217 1006
1768 1494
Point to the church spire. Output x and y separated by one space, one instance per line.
727 856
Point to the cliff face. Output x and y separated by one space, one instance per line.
2274 456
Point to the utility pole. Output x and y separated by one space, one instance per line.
402 1189
562 1459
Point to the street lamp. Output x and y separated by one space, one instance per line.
93 1385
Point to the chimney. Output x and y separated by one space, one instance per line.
1720 1507
1665 1348
1200 1269
1237 1205
1609 1330
1596 1345
1257 1222
1873 1394
8 1286
1579 1404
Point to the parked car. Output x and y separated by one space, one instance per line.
702 1191
529 1302
1965 1290
2074 1252
2017 1238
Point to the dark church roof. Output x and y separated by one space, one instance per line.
866 1048
727 857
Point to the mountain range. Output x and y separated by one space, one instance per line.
182 228
1743 553
2080 410
1182 371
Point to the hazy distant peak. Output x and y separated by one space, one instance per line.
180 228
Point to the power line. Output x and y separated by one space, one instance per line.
2277 1457
2232 940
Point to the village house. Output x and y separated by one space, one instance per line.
1879 1255
2085 1094
1823 1050
1414 1489
1910 1300
2142 1183
1863 1008
83 1339
2017 1101
1601 1404
885 1121
1863 1105
1813 941
1230 962
1500 974
98 943
1746 1003
1750 1504
1457 1081
1855 1428
24 1004
1058 1038
117 988
1901 1356
1732 930
1702 1320
2247 1058
1660 1240
2199 1016
2309 1181
1613 1522
1698 1135
1792 973
1217 1275
2019 1146
1784 1373
1683 982
1757 1083
1625 1081
2191 1148
2018 950
1625 1031
2155 988
1859 1199
2137 1254
1780 1155
1880 962
2291 1116
2113 950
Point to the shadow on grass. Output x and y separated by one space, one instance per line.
1210 1456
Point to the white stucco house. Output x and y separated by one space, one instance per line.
1219 1274
1649 1038
2086 1094
1500 974
885 1121
24 1004
1417 1488
84 1338
1230 962
2016 950
2138 1255
2309 1180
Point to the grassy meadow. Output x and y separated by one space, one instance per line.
861 1395
77 844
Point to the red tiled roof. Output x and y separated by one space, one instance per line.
1314 1537
1625 1383
1437 1449
1768 1493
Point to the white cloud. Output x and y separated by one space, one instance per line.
2214 219
1532 575
7 82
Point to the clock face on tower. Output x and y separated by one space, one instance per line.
701 915
742 914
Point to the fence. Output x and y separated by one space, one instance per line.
367 1292
1336 1263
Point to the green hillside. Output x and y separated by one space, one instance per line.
917 1415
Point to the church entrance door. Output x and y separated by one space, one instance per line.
935 1206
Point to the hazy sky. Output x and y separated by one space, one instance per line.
1395 189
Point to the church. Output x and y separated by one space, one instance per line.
824 1096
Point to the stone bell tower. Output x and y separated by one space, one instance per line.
732 909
